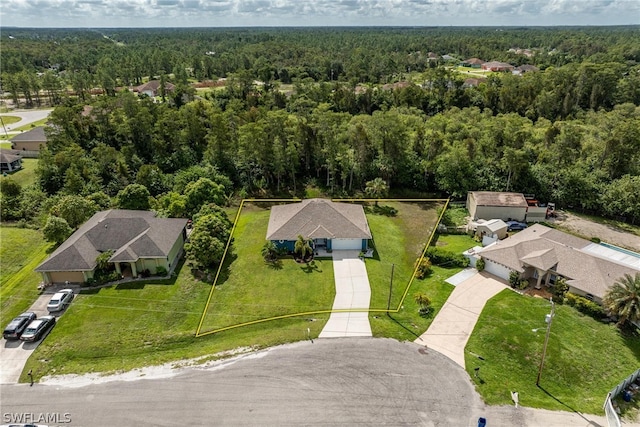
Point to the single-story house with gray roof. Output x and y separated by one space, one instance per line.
139 240
546 254
31 140
330 225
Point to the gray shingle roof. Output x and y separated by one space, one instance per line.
543 247
8 157
318 218
130 234
36 134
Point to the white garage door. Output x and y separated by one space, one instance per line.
342 244
497 269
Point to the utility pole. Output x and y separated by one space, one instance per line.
546 339
390 288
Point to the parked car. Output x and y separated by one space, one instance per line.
516 225
60 300
38 328
18 325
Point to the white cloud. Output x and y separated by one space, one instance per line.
157 13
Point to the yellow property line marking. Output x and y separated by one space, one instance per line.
286 316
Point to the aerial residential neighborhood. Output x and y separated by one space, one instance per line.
234 214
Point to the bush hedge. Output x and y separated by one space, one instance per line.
444 258
585 306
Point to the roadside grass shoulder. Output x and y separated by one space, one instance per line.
21 250
123 327
585 358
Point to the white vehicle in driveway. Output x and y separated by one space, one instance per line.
60 300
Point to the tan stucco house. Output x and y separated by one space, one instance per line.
545 254
31 140
139 241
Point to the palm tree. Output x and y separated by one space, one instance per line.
376 188
302 248
623 299
269 251
424 302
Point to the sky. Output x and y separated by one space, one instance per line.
234 13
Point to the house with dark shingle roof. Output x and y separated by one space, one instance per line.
330 225
31 140
139 240
10 161
545 254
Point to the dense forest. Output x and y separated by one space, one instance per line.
327 107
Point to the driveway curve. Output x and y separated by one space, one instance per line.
452 327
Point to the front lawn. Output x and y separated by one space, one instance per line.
128 326
585 358
21 250
251 290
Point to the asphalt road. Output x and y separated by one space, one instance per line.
339 381
27 116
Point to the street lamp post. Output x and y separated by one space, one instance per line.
546 340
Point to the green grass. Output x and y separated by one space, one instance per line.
399 241
252 290
456 243
585 358
129 326
9 120
21 250
27 175
32 125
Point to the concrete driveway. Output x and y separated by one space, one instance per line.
14 353
450 330
352 292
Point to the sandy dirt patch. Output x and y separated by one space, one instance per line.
604 232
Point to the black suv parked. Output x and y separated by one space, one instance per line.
18 325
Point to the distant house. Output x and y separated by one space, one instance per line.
152 88
448 58
497 66
330 225
496 205
545 254
138 239
396 85
472 62
31 140
525 68
472 82
10 161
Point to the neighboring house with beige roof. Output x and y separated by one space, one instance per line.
31 140
152 88
138 239
331 225
545 254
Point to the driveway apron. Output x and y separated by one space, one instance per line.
14 353
352 292
450 330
